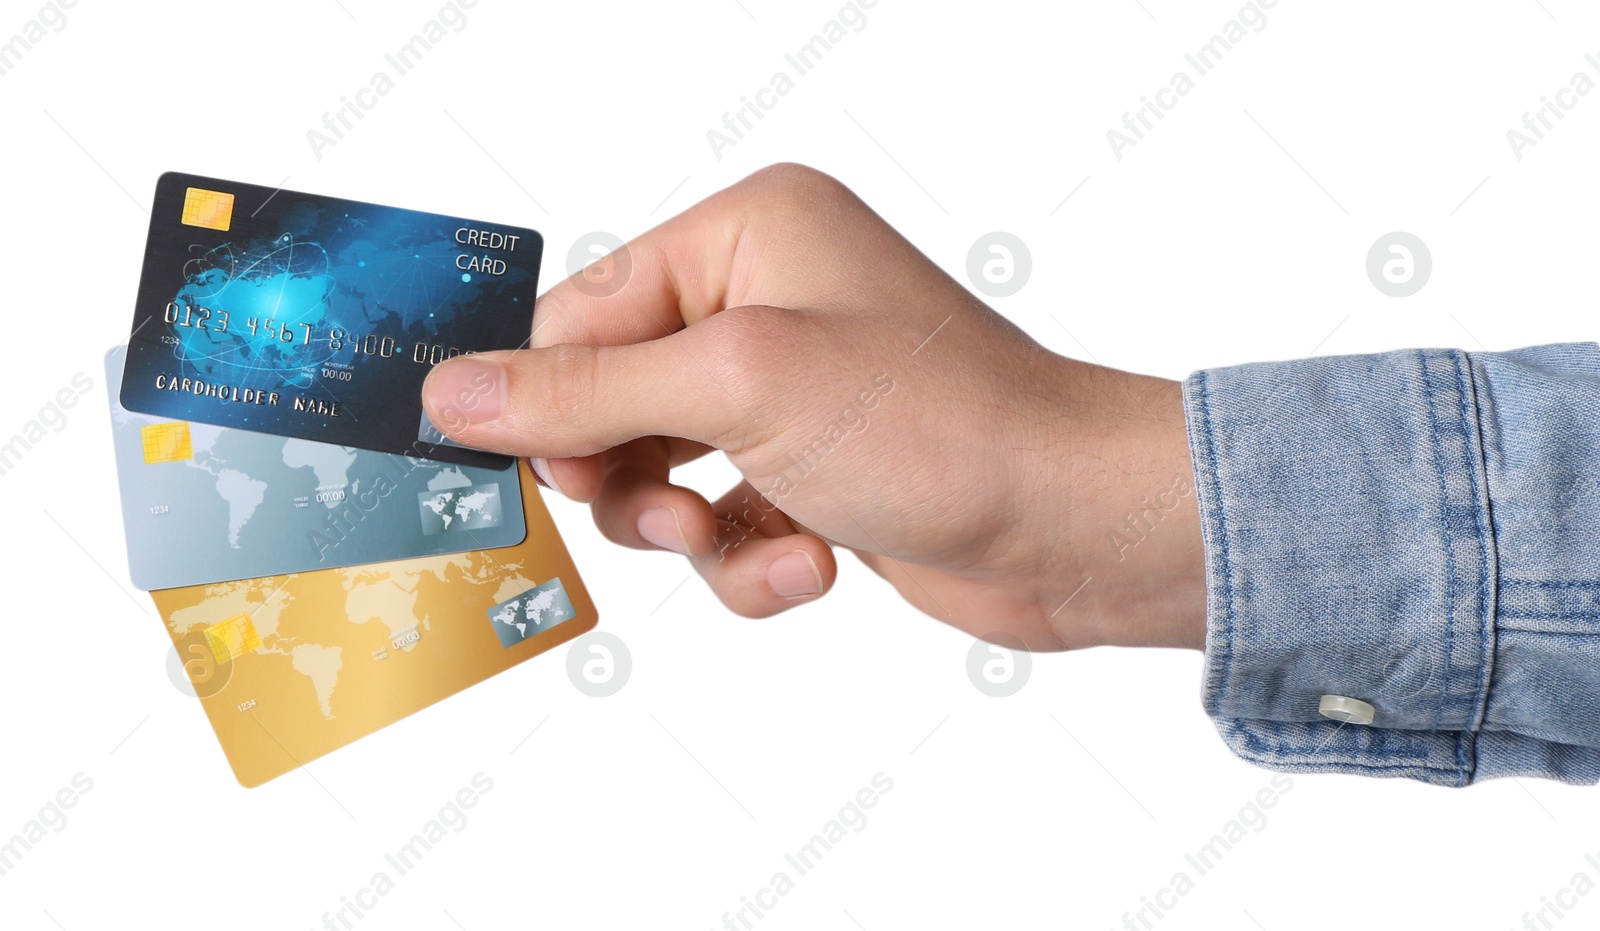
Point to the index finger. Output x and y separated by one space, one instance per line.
687 268
669 277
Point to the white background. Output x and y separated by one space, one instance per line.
1236 231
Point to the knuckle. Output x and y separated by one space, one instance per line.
737 354
730 343
763 347
791 182
570 384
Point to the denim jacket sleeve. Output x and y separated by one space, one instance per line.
1419 530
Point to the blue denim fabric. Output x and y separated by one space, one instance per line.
1419 530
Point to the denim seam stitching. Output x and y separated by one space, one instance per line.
1547 616
1214 479
1472 426
1582 584
1262 754
1444 520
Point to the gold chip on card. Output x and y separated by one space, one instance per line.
212 210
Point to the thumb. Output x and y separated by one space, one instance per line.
574 400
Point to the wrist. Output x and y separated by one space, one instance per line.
1130 522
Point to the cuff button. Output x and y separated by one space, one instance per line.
1346 710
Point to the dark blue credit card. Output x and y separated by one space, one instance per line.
318 318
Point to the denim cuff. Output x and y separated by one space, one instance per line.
1354 548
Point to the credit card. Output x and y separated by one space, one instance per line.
318 318
202 503
291 667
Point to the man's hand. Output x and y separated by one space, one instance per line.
870 402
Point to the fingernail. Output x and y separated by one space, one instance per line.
660 526
541 471
465 391
794 576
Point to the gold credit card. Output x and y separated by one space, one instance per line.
290 667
